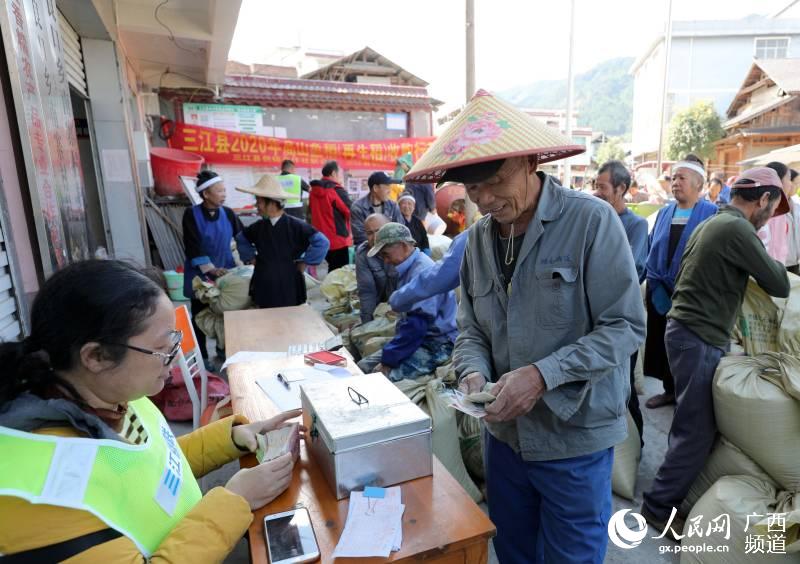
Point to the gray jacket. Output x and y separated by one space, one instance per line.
375 280
573 309
362 209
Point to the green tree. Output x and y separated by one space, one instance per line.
694 130
611 150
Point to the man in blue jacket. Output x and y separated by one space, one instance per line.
424 335
376 201
440 278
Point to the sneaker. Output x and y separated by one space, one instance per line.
660 400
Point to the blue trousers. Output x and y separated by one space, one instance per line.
553 511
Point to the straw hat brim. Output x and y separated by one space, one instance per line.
266 187
490 129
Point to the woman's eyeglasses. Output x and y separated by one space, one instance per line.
166 358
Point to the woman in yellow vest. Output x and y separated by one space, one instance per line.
89 470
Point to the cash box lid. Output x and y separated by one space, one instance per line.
345 424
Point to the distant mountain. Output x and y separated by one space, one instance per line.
603 96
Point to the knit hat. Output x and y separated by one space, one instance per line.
389 234
489 129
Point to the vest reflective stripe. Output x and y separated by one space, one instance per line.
291 183
132 488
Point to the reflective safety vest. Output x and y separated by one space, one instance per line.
292 183
142 491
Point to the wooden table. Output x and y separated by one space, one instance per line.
441 523
273 329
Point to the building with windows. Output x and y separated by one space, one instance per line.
707 62
764 115
579 164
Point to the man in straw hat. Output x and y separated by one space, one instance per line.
550 312
722 253
284 246
674 224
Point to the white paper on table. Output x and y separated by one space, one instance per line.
251 356
392 497
288 398
371 528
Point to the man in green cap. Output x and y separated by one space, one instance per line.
425 334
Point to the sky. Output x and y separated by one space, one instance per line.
516 41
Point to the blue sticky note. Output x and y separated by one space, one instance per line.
377 493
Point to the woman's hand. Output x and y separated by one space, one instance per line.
263 483
244 436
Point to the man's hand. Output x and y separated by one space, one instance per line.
244 436
218 272
517 392
471 383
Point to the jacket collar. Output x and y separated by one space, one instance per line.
403 267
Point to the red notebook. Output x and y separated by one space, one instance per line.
325 357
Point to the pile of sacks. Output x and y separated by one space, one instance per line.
754 468
341 291
228 293
365 339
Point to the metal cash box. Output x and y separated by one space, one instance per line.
363 431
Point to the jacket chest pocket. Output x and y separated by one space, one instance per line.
483 300
557 301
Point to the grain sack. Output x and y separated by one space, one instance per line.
770 324
626 462
788 504
339 284
439 245
738 497
374 344
378 327
725 460
428 393
756 403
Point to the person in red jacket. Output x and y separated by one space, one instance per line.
330 214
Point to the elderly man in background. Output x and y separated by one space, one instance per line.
424 335
375 201
552 318
674 224
375 279
611 185
722 253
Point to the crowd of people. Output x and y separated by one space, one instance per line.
550 321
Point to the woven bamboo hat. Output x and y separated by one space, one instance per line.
267 187
489 129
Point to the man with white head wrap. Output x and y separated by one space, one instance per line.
674 224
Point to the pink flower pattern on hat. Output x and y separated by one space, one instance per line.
477 131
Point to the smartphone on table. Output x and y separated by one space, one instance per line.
290 537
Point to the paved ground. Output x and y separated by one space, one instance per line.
655 436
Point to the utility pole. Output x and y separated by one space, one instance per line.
470 209
664 87
570 88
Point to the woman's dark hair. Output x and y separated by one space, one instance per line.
204 176
779 168
104 301
715 180
278 203
793 174
692 158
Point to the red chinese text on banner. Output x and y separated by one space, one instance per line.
218 146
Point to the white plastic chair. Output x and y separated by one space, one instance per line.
191 364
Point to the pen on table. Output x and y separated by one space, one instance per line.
283 381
